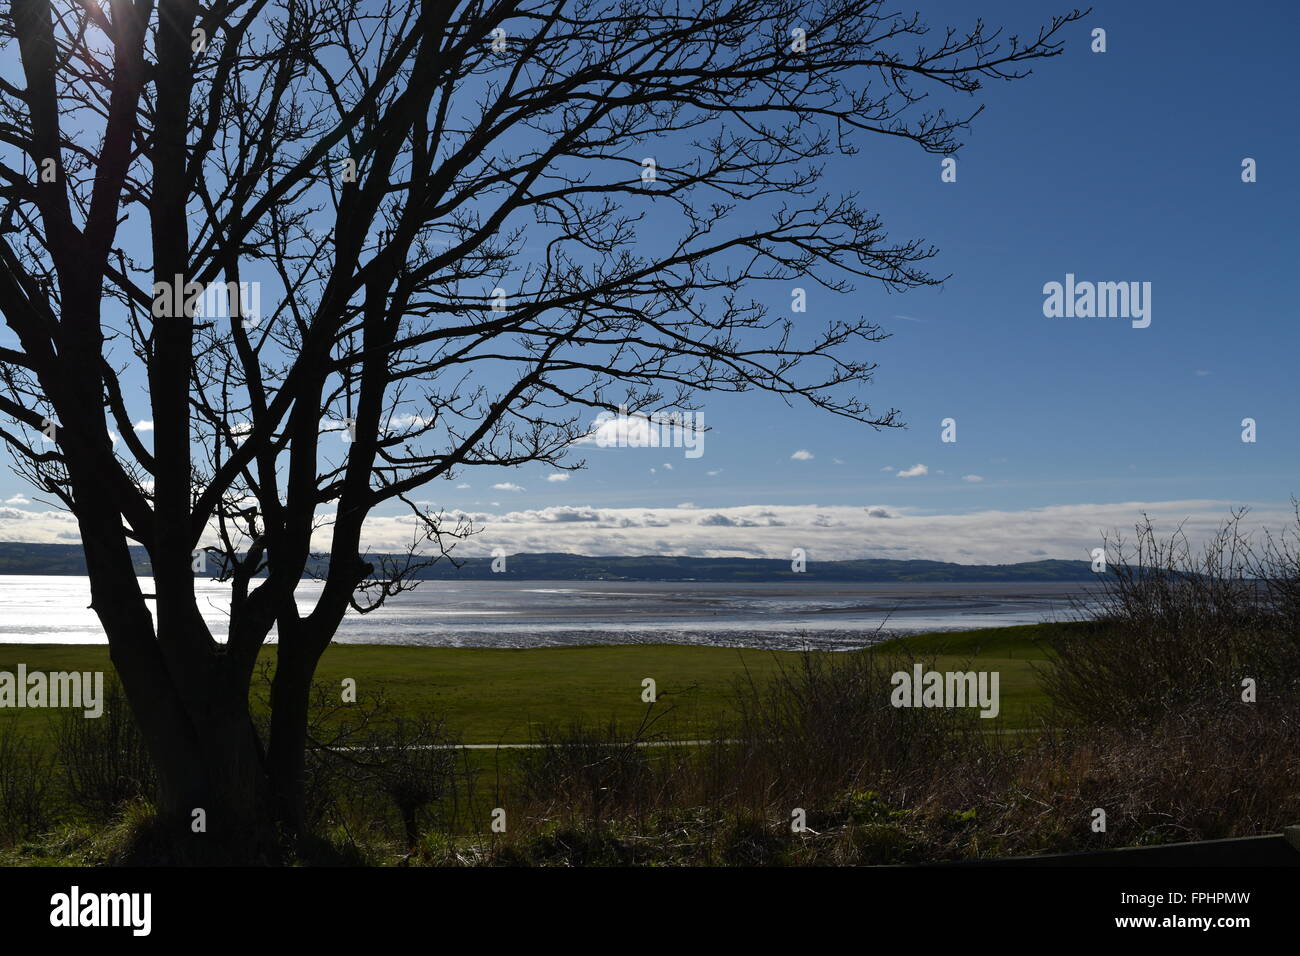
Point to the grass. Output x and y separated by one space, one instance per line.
878 784
1016 653
492 695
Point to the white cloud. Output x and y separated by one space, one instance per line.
714 473
803 454
507 486
406 421
143 425
889 468
913 472
39 527
973 479
630 431
838 532
655 430
558 476
463 485
18 499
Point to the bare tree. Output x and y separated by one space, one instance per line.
476 222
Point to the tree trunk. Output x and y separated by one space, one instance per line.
290 699
298 651
214 792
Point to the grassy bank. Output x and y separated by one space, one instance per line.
499 696
811 734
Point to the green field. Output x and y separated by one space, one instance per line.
501 696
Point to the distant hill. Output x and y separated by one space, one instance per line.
17 558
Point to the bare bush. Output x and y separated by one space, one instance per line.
826 726
26 783
1179 632
594 773
104 759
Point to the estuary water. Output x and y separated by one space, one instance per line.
53 609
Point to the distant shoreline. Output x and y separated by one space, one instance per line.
68 559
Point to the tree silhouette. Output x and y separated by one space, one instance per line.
474 224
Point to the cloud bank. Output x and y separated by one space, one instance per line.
826 532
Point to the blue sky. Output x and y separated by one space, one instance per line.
1119 166
1115 166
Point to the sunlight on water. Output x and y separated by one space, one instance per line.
55 609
